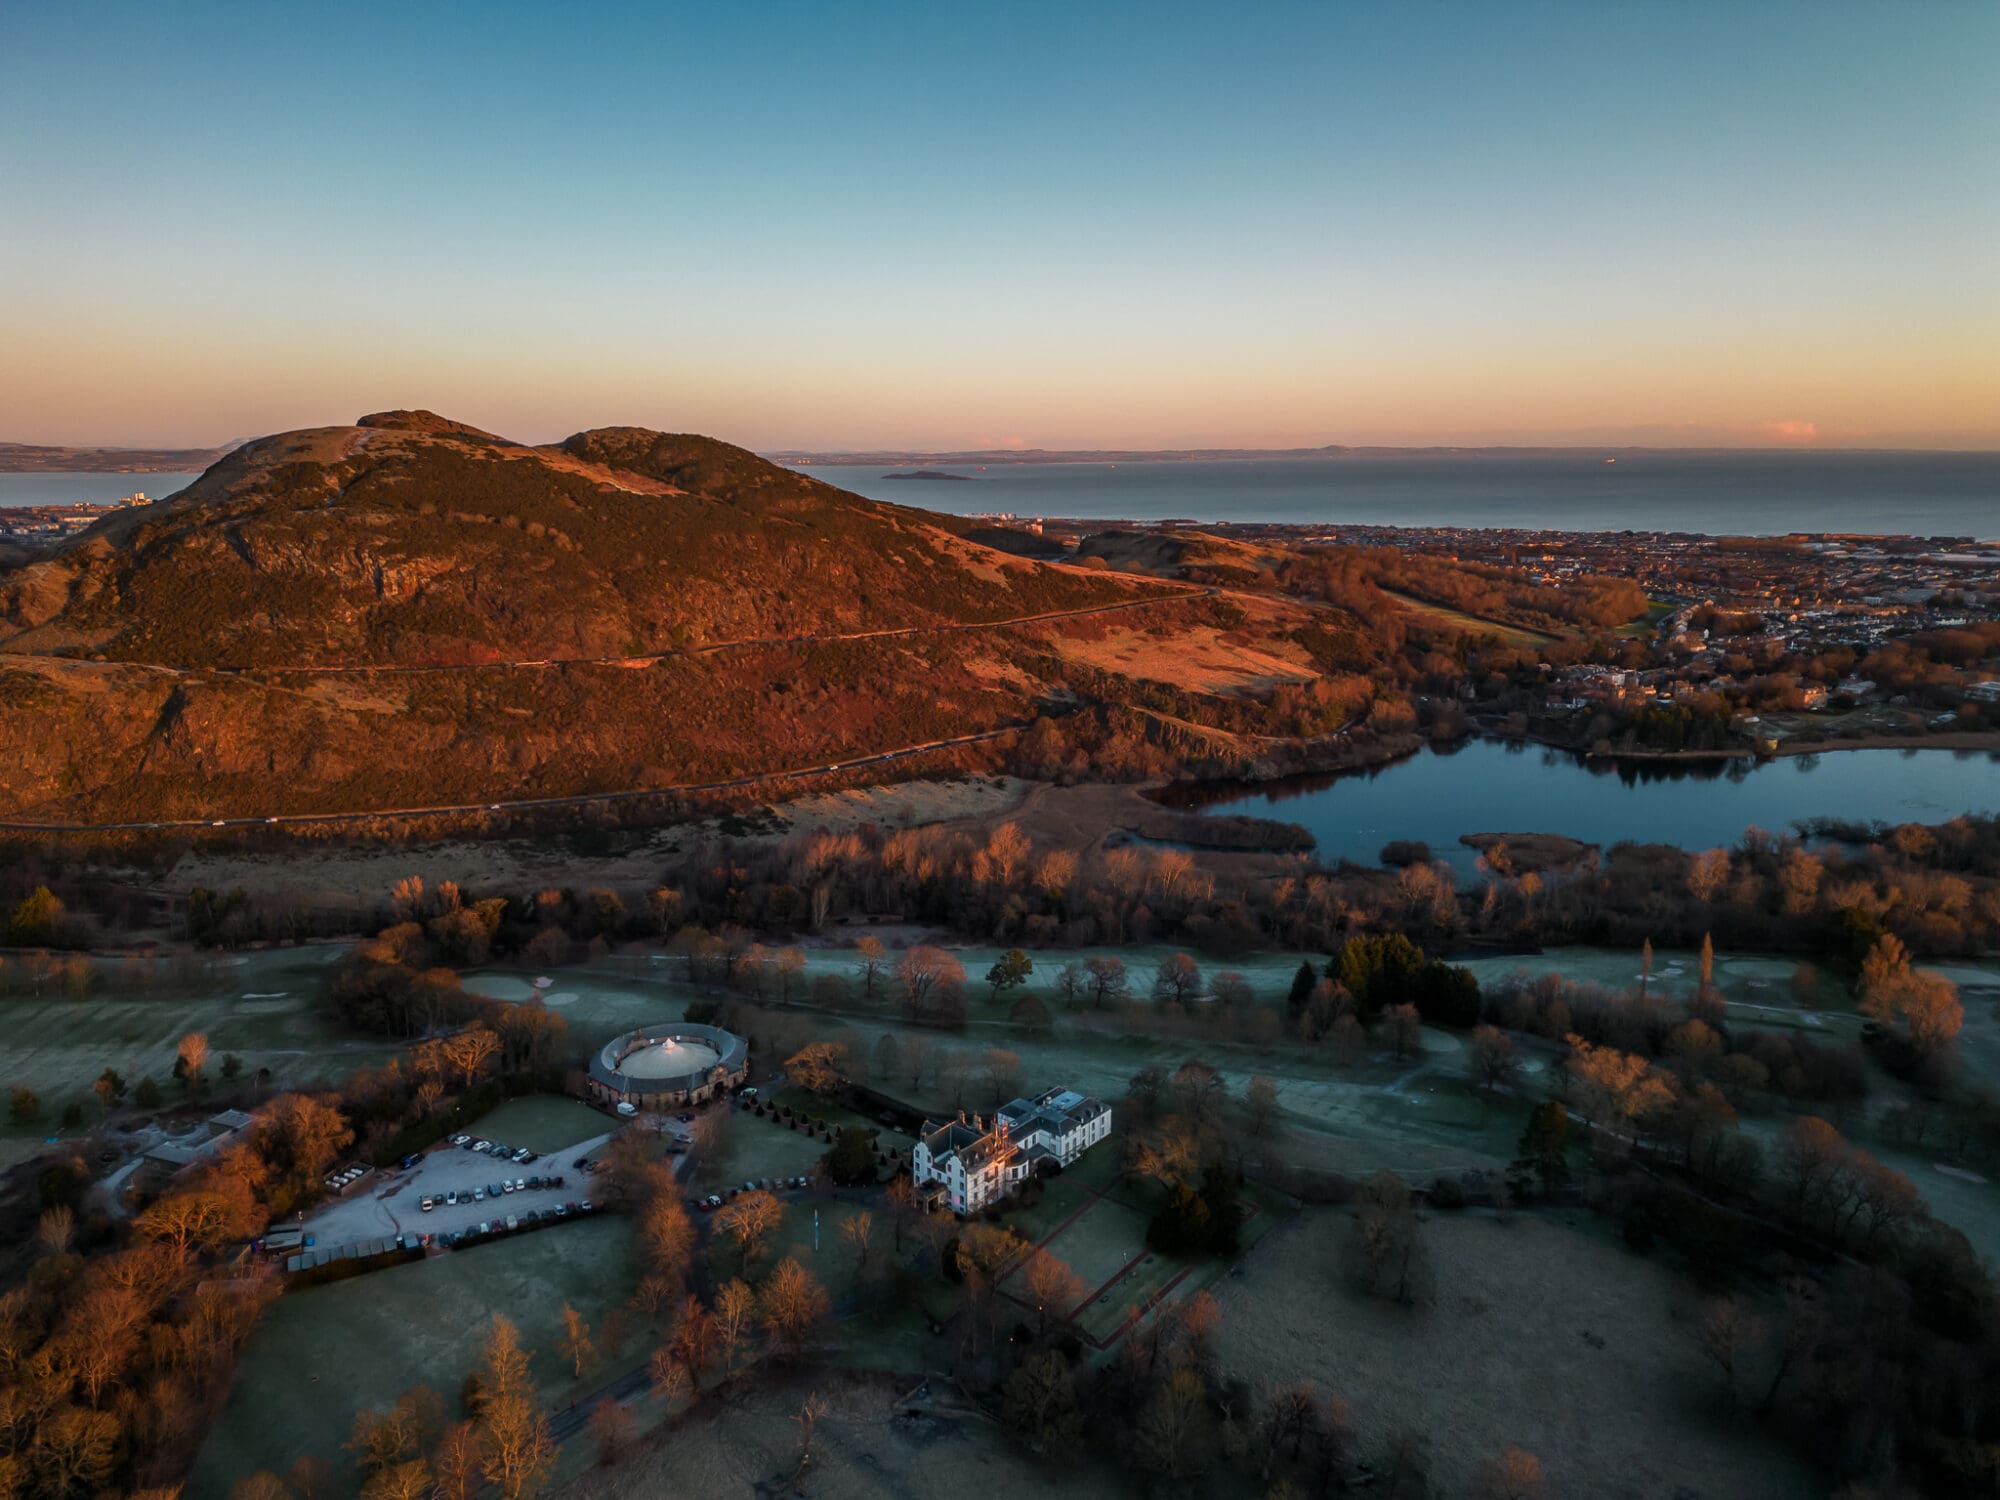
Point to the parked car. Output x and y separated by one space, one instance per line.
562 1210
505 1187
429 1203
513 1221
523 1154
485 1226
586 1207
527 1156
534 1184
479 1195
460 1140
520 1185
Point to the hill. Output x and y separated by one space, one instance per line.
410 540
411 612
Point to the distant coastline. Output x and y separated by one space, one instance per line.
35 458
929 474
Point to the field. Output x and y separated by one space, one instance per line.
865 1448
543 1123
262 1008
1200 658
1094 1222
322 1354
738 1147
1513 635
1536 1334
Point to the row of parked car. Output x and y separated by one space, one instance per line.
491 1190
531 1218
493 1148
340 1182
762 1184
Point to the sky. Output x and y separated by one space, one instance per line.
1067 225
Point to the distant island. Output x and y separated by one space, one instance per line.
33 458
926 474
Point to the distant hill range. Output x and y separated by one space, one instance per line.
411 612
33 458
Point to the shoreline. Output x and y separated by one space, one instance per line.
1964 739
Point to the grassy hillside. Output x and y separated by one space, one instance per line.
410 612
408 540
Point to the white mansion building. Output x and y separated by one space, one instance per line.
975 1162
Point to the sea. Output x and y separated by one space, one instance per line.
1723 494
1732 494
79 489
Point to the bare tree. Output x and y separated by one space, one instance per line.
1494 1062
576 1345
750 1218
612 1428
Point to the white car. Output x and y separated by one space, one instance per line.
429 1203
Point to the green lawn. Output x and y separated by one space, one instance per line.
322 1354
1101 1242
1061 1197
740 1147
832 1262
543 1123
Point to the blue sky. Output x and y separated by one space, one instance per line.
837 225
